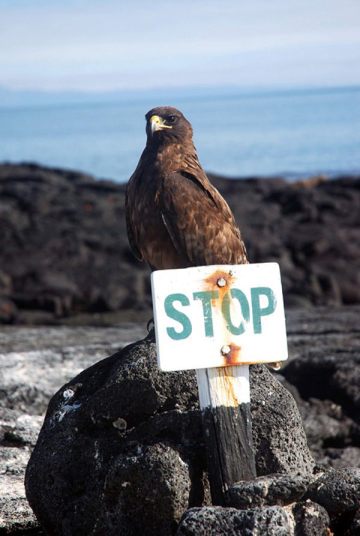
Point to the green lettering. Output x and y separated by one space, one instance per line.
257 311
226 310
206 298
178 316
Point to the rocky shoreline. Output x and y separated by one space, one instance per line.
64 255
323 375
121 445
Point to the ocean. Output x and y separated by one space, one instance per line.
292 133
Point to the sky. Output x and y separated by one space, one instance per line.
108 45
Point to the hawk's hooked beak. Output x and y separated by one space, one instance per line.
157 123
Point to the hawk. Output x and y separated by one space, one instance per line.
175 217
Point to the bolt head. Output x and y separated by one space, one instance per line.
225 350
221 282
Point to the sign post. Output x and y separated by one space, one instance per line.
225 405
218 320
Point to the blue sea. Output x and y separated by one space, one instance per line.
294 133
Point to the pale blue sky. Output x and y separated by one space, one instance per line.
106 45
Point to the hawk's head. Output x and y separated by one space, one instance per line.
166 123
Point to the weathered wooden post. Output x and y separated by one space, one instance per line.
218 320
224 395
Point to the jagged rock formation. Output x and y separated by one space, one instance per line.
64 250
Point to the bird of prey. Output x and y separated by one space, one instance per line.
175 217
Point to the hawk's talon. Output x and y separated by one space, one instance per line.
150 325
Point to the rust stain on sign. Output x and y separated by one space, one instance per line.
219 281
233 356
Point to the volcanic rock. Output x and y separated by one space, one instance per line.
305 519
122 434
68 230
279 438
218 521
310 519
337 490
280 489
35 362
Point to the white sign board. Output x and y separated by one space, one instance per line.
216 316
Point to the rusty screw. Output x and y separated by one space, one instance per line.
221 282
225 350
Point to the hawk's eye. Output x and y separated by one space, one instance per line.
171 119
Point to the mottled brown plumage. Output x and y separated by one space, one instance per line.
175 217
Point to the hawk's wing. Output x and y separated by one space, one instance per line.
199 221
129 225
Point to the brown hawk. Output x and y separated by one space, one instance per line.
175 217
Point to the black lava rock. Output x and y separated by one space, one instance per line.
280 489
122 443
335 376
36 362
354 528
68 229
304 519
311 519
279 439
337 490
218 521
145 492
